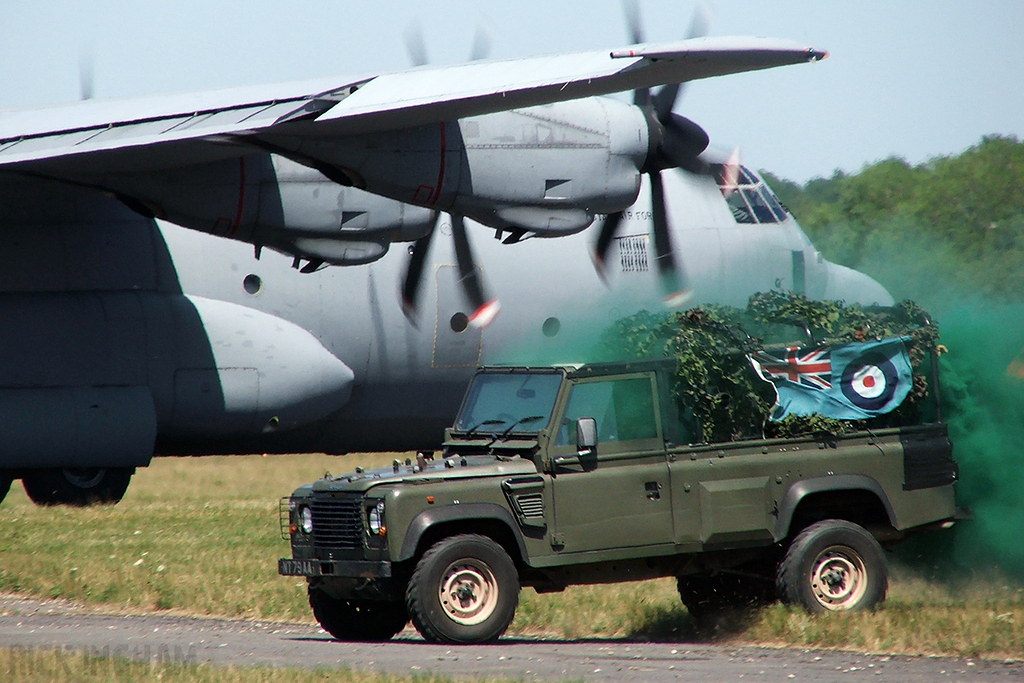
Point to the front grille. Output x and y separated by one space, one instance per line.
337 522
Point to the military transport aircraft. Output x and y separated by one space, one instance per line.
125 334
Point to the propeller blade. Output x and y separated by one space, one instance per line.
604 241
700 22
731 172
481 45
672 278
665 99
85 76
631 8
414 274
700 26
484 309
416 44
633 24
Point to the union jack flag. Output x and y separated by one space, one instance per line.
808 367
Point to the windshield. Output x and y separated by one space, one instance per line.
507 402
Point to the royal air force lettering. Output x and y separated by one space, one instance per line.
848 382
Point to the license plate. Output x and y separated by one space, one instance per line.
287 567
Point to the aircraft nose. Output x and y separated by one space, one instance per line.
268 374
853 286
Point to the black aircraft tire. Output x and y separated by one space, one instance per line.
464 590
5 485
833 565
368 621
77 486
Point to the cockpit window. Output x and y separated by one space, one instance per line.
774 203
757 203
740 210
749 199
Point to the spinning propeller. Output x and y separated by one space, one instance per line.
675 142
85 76
484 309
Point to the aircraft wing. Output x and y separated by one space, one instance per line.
151 132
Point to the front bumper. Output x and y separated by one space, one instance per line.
353 569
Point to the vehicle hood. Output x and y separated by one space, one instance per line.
458 467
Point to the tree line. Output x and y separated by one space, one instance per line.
953 225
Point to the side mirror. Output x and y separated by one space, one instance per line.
586 435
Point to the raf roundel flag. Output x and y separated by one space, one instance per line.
849 382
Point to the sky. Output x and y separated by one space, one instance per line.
907 78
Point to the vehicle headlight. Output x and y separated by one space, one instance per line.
375 520
306 520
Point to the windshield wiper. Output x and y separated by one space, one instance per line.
478 425
531 418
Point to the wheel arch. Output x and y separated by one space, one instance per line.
856 498
487 519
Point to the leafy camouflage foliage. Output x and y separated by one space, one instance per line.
717 384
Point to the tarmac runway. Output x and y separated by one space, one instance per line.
33 627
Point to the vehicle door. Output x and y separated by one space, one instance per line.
618 495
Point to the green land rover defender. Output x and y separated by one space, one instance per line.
554 476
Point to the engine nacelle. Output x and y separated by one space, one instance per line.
267 200
548 170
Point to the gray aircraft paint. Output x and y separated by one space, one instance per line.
116 318
408 381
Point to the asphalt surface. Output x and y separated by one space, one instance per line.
33 627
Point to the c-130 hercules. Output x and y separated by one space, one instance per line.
125 334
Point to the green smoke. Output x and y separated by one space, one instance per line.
982 325
983 403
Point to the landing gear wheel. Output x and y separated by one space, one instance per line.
358 620
77 486
5 485
833 566
465 589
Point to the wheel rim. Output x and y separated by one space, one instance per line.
84 477
468 592
838 578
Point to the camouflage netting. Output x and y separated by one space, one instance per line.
720 388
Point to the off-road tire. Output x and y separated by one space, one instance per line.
77 486
465 589
368 621
833 565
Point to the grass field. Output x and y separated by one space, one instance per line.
60 666
200 536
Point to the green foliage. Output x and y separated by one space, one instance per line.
960 217
717 384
